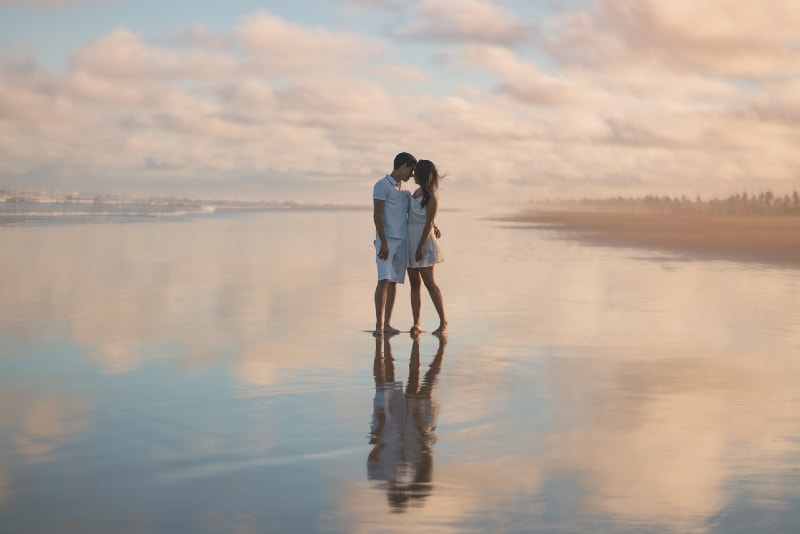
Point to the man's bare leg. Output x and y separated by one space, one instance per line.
380 305
390 294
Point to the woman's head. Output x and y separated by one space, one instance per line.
427 177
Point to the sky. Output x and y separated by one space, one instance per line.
310 100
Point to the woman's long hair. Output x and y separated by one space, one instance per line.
428 178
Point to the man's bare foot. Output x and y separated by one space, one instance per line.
441 330
415 330
378 332
390 330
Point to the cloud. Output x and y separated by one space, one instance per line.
524 80
271 87
717 37
122 54
296 49
467 21
626 97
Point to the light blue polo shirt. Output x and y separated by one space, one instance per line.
395 206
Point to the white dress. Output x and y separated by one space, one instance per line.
431 253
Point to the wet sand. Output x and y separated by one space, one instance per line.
758 238
213 375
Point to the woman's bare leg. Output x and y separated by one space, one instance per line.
416 300
436 297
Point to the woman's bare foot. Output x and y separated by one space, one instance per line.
415 330
441 330
390 330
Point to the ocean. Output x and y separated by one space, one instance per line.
189 367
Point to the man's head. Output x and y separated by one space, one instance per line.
404 164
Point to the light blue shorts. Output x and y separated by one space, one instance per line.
393 268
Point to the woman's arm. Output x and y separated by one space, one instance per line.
431 207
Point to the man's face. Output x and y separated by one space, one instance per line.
408 172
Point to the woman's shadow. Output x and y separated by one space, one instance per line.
403 424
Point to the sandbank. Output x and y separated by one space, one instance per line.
758 238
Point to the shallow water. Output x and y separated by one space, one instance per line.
214 374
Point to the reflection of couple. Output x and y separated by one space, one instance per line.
406 240
403 425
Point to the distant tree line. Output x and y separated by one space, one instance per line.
765 203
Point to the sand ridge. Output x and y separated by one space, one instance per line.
760 238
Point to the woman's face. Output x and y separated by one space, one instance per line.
418 177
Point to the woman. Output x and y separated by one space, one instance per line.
423 248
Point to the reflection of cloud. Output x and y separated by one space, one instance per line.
555 298
197 294
265 362
667 435
47 423
461 490
651 441
37 423
259 365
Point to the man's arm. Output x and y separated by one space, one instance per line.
377 216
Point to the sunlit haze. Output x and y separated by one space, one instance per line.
311 100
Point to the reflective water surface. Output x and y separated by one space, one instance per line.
217 375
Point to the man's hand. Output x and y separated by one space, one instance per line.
383 253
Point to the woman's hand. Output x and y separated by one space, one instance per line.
419 255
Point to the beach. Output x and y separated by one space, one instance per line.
757 238
216 372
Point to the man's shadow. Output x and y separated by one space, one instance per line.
403 425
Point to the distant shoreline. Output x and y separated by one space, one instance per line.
772 239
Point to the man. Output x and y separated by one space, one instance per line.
390 211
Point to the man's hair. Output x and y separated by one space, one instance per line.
404 158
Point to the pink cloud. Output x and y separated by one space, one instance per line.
715 37
475 21
294 48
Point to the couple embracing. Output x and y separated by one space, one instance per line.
406 240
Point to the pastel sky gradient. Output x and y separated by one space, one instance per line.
310 100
